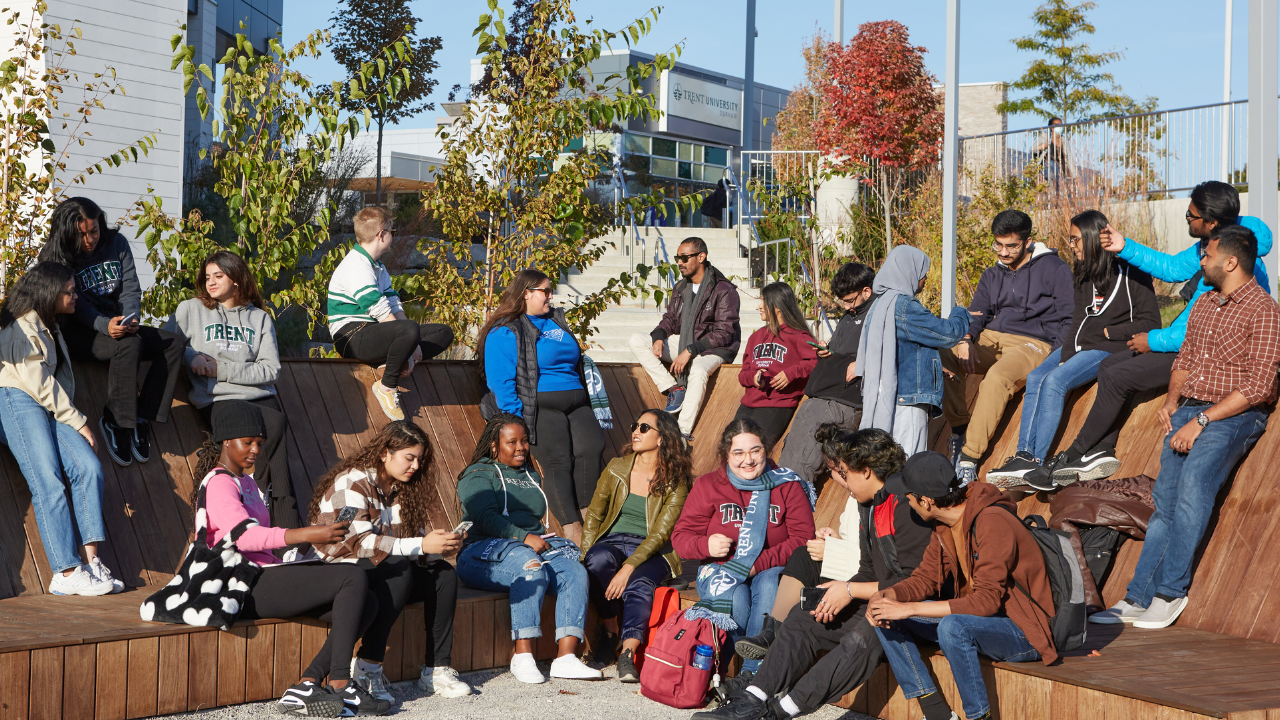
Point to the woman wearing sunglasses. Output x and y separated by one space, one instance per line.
1113 301
532 365
626 537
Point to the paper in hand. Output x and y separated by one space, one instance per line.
840 559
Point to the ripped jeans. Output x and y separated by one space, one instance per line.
502 564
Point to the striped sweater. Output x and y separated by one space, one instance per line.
375 532
360 291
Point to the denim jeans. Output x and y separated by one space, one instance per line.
603 561
45 449
752 601
962 638
1185 494
1046 394
504 569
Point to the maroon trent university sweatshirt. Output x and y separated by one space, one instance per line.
788 353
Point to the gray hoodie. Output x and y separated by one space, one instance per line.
241 339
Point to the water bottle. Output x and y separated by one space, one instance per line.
702 657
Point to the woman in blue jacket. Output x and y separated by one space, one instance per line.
898 351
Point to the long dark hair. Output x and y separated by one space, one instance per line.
675 463
489 436
510 306
736 427
235 268
38 290
394 437
779 297
1095 264
63 245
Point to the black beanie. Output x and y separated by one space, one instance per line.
237 419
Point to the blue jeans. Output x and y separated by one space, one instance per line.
45 449
603 561
962 638
504 569
1185 494
1046 394
752 601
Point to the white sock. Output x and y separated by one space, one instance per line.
757 692
366 666
790 706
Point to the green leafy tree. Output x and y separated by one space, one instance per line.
360 29
1068 81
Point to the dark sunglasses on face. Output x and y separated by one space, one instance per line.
644 427
546 291
686 258
1191 216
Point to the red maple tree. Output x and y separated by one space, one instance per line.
886 117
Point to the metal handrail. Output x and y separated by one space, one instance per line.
633 236
1078 123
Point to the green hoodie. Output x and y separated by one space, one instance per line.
502 501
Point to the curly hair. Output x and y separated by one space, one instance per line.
736 427
675 463
413 493
207 457
869 449
489 436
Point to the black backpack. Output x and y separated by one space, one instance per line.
1069 620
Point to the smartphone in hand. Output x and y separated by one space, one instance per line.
810 597
462 527
347 514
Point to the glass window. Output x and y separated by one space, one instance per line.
637 144
686 170
716 156
664 148
697 153
574 144
697 172
686 151
665 168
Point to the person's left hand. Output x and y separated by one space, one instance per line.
1139 343
851 372
779 381
1185 437
441 542
833 601
619 582
414 359
880 612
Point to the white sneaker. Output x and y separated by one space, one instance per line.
525 668
101 572
1122 613
1161 614
569 667
79 582
370 677
443 682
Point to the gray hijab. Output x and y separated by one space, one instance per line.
878 347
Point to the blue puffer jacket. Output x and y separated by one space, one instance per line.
1182 267
920 334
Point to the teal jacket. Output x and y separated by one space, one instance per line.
502 501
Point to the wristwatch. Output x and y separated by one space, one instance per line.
1203 420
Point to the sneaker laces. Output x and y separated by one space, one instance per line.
376 681
391 395
445 673
99 570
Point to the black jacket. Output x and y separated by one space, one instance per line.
893 540
827 381
1034 300
107 283
527 371
1125 305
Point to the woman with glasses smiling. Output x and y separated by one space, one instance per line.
626 538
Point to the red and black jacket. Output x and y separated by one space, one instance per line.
893 540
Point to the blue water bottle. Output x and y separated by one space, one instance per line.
702 657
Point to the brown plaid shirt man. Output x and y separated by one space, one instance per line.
1232 343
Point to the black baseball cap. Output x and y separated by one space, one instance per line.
926 474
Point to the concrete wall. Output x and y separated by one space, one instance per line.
978 114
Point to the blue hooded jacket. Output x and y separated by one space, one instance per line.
1182 267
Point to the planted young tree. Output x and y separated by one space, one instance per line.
360 30
886 116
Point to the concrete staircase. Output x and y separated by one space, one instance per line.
616 325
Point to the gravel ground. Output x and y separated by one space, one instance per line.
500 695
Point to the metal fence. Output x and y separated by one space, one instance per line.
782 175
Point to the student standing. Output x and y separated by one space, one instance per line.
366 318
532 365
106 327
47 435
231 356
626 537
387 485
777 362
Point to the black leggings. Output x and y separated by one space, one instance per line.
1121 375
400 581
569 450
773 420
337 594
125 404
391 343
273 475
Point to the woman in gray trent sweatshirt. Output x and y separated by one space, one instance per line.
231 356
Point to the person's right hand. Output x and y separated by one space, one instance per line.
1112 240
964 356
681 362
823 352
851 372
117 329
87 434
758 380
536 543
1138 343
657 349
816 547
718 545
317 534
441 542
200 365
1165 413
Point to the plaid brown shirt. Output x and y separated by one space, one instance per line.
375 532
1232 343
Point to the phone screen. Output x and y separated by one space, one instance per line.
347 514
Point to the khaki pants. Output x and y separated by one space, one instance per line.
1005 360
700 368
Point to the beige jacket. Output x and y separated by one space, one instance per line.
27 362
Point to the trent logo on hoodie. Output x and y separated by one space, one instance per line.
100 279
777 351
732 513
229 334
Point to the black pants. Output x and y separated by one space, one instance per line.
569 450
337 594
124 402
773 420
400 581
605 558
272 472
1121 375
804 568
391 343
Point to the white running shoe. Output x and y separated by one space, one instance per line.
525 668
101 572
371 678
80 582
1122 613
569 667
443 682
1161 614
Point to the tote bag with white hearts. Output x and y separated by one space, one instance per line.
210 588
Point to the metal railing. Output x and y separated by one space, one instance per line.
770 171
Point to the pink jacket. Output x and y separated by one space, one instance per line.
228 505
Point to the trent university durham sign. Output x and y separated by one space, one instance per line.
694 99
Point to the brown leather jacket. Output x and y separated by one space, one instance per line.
1124 504
660 512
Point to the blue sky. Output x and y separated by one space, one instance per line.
1173 48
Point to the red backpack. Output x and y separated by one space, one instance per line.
668 675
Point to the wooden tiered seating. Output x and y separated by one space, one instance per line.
93 657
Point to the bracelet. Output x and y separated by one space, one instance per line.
846 589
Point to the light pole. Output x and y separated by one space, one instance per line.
749 87
950 156
1263 45
1227 113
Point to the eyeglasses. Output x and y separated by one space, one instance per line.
686 258
392 233
1192 216
755 453
849 300
997 247
546 291
643 427
1074 240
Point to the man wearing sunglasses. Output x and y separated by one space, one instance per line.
698 333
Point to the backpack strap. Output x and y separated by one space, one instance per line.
202 528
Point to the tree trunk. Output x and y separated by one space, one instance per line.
886 200
378 163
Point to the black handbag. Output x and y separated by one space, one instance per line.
209 589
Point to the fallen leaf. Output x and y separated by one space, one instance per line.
566 692
1094 653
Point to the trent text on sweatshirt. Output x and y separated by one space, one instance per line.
789 353
243 341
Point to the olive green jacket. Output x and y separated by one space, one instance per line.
660 514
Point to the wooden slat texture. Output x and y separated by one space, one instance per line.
79 673
46 680
144 675
171 693
287 657
259 662
112 681
15 678
202 678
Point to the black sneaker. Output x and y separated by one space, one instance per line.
1013 472
604 646
1093 465
744 707
311 700
1040 478
731 688
757 646
358 702
141 441
118 440
627 672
